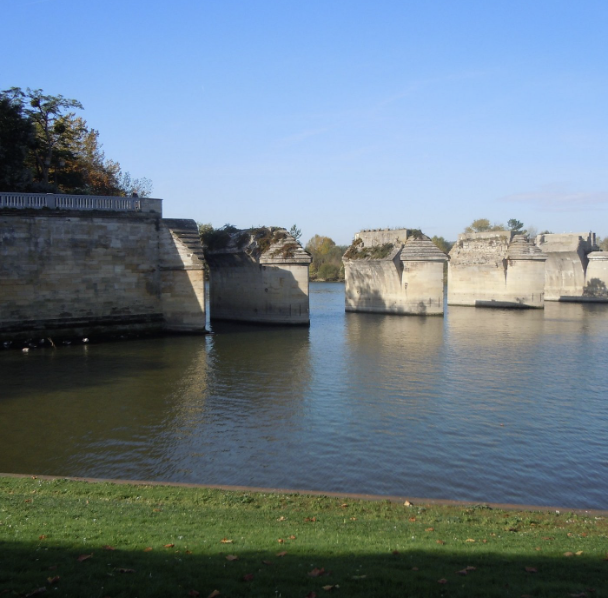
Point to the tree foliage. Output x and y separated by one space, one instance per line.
45 146
483 225
444 245
326 258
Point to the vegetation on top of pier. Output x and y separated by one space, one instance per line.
45 147
357 251
103 539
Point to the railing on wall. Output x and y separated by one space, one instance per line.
53 201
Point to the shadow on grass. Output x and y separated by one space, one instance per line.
174 571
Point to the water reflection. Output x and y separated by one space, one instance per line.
488 405
106 410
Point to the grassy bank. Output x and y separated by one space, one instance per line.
82 539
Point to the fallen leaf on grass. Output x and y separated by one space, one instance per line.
440 542
148 549
226 541
407 503
282 553
310 519
353 519
531 569
469 540
36 592
53 580
344 505
443 580
30 500
578 552
159 511
43 537
317 572
568 554
84 557
292 537
214 594
396 552
429 529
232 557
109 548
330 588
248 577
547 538
169 545
123 570
281 518
281 541
412 519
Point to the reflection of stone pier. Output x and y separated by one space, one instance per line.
575 271
258 275
496 269
394 272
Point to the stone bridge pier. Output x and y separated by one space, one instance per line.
397 271
258 275
496 269
575 269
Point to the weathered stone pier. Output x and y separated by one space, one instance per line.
575 269
496 269
258 275
394 272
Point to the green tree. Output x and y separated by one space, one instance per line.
326 258
16 140
444 245
62 154
48 114
295 232
483 225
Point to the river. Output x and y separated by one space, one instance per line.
483 405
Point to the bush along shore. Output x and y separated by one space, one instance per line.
69 538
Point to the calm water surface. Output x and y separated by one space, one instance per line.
484 405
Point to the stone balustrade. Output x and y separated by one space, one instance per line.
57 201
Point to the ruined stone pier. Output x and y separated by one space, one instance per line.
575 269
394 272
258 275
496 269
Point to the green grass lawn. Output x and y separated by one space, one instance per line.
101 539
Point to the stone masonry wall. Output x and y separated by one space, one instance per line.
73 272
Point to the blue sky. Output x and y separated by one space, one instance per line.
337 115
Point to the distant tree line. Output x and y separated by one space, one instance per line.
46 147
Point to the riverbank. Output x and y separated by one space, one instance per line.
107 539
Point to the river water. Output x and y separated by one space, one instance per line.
483 405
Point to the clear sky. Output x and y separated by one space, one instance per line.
337 115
